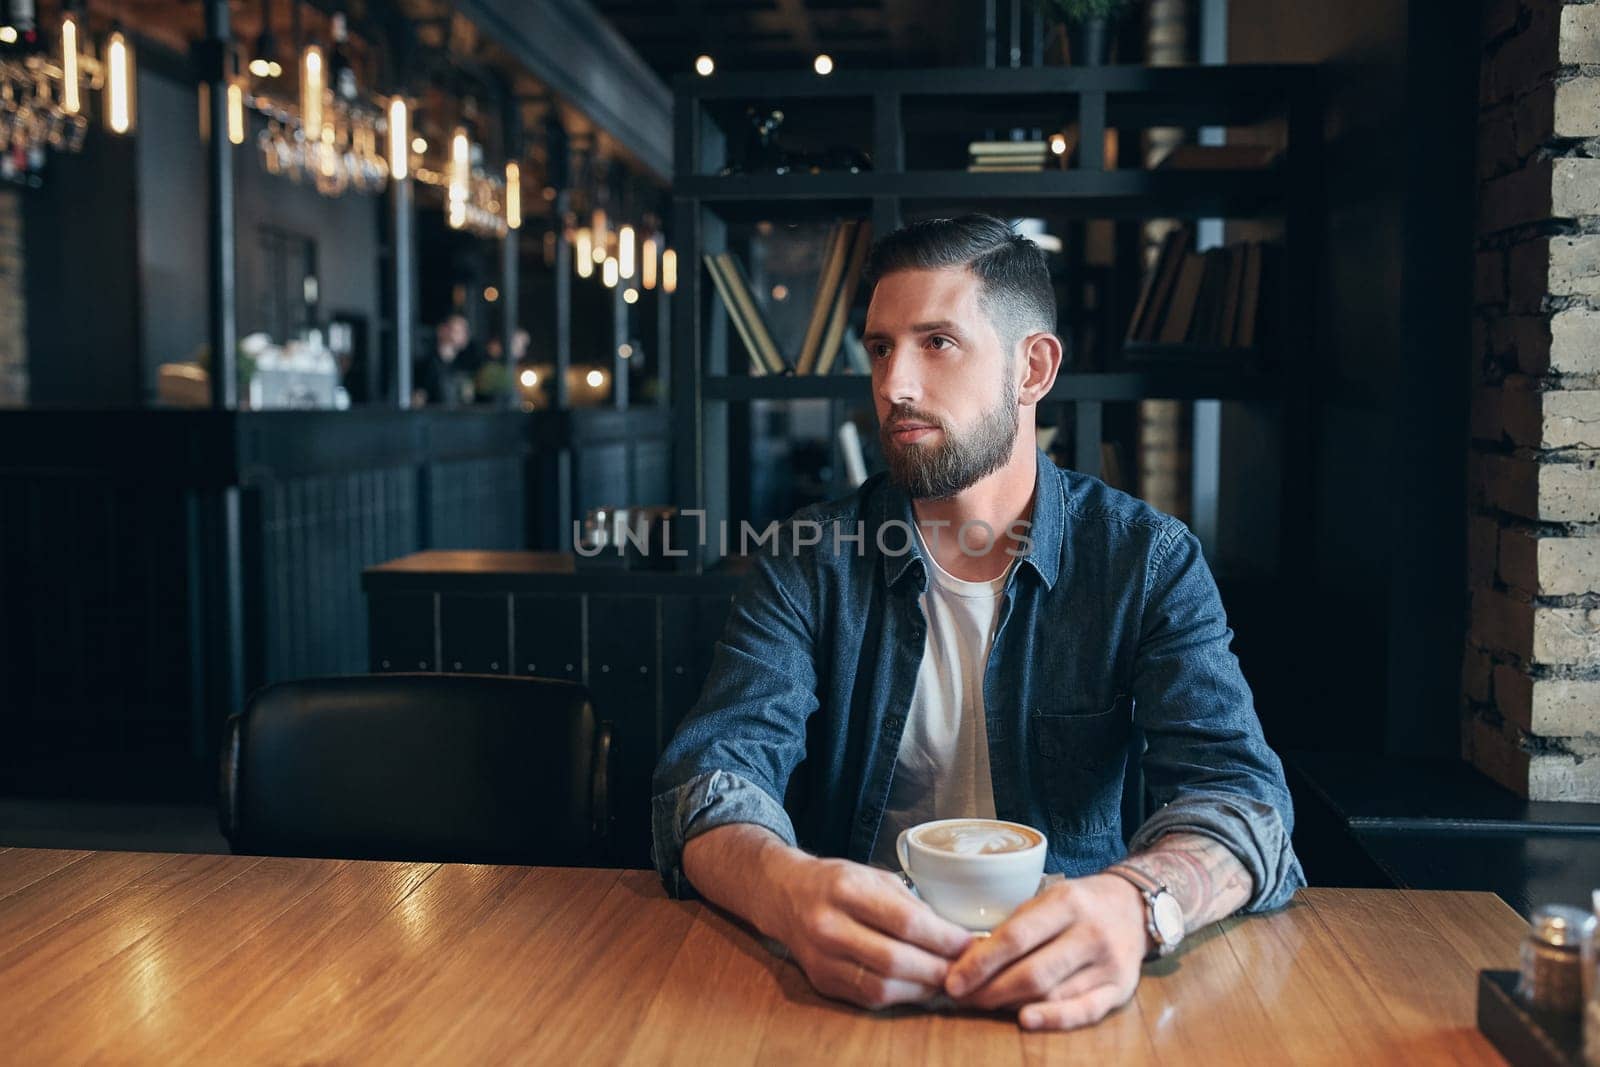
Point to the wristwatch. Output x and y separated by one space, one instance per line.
1163 915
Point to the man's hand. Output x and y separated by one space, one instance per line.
1071 954
856 931
860 935
1064 959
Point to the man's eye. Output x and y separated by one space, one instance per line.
878 351
937 337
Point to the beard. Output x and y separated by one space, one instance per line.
956 461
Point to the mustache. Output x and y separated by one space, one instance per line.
901 415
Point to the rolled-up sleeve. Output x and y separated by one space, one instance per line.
731 758
704 802
1207 766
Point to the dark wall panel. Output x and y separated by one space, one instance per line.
316 536
476 503
94 634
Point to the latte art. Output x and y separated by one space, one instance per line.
977 838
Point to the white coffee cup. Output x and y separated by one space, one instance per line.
975 889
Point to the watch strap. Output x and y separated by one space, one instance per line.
1141 881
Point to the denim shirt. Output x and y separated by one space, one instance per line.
1109 620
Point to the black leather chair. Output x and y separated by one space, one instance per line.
459 768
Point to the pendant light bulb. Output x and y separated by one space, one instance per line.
513 196
399 139
311 85
460 175
608 273
625 251
119 83
647 271
669 271
71 102
601 239
235 113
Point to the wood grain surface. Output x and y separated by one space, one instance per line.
123 957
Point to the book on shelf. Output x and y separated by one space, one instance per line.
1008 148
1203 299
845 298
1204 324
759 330
1232 293
1179 311
1220 157
837 284
714 268
1244 333
994 157
833 267
1154 293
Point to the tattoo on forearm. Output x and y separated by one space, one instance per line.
1207 879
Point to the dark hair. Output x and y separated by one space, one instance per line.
1014 278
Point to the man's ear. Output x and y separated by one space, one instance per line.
1041 360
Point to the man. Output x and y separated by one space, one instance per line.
446 376
938 673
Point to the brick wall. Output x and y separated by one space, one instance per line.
13 307
1531 680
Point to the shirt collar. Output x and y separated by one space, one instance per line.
1044 534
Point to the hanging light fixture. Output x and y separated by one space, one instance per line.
71 102
669 271
625 252
513 196
399 135
608 273
119 83
312 82
600 237
460 176
235 112
647 270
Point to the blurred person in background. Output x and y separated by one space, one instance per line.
446 376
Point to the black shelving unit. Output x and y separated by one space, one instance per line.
711 398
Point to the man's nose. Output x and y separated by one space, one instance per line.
898 378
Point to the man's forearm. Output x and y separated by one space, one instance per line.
732 866
1206 878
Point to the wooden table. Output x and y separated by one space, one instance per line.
151 958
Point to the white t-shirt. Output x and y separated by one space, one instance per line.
942 770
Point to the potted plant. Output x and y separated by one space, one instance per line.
1087 23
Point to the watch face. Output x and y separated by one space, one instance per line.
1168 917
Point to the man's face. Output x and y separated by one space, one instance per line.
944 385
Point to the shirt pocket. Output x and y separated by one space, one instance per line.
1082 760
